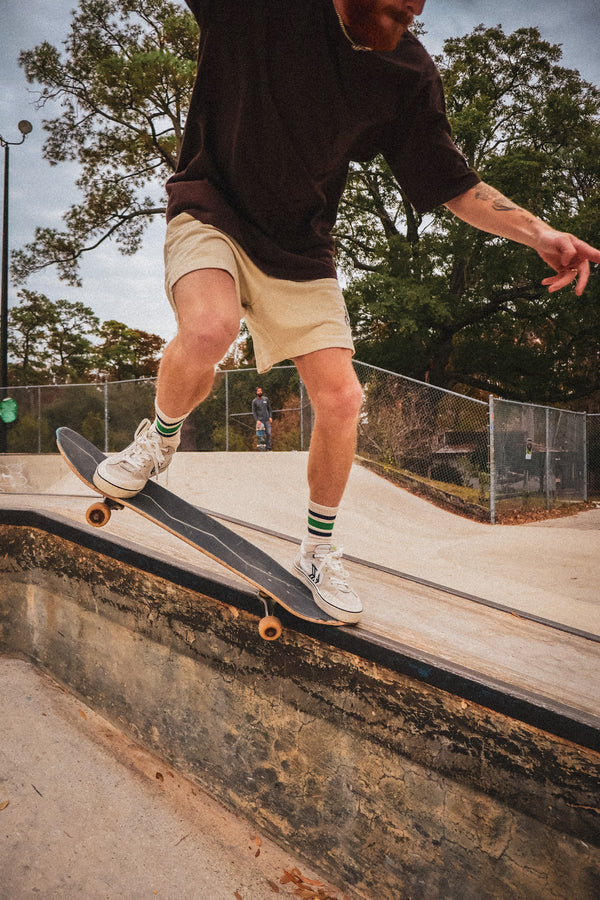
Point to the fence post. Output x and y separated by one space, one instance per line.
585 459
547 458
301 413
39 396
492 463
226 410
106 416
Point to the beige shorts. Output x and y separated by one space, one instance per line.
285 318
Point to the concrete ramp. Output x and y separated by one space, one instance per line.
395 773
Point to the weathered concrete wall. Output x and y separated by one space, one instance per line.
395 787
30 473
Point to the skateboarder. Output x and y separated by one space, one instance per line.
261 410
286 95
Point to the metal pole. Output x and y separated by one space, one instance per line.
4 303
226 410
39 395
492 464
301 414
106 416
547 458
585 459
25 128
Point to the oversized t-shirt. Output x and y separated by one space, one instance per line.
281 105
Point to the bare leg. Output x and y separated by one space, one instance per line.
209 321
336 396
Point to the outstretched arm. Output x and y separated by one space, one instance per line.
487 209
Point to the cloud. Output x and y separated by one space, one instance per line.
574 25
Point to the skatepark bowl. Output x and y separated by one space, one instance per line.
395 772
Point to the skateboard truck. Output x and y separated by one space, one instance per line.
98 513
269 626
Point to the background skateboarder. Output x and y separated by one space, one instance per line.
261 410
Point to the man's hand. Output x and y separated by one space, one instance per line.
569 257
487 209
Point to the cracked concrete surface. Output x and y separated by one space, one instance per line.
91 814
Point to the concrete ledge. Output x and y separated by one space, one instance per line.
30 473
442 499
353 758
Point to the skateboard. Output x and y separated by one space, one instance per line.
261 437
274 585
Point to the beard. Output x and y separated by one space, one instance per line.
376 23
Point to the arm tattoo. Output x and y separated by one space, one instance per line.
499 203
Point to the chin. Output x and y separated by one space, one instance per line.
387 43
382 39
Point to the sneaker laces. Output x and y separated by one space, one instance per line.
332 565
146 447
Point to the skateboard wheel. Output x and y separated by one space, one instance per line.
269 628
98 514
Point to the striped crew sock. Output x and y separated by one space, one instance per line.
167 426
321 520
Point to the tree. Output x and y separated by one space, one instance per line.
69 341
28 328
434 298
123 84
127 353
50 342
62 341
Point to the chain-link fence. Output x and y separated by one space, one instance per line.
107 414
429 439
593 456
538 455
478 458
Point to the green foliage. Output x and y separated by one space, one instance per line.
234 392
428 296
126 353
123 83
50 341
29 432
54 342
92 428
437 300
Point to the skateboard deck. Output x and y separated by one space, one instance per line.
274 584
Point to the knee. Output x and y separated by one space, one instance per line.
341 402
208 314
208 340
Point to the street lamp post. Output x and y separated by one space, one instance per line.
25 128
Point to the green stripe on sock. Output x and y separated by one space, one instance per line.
319 528
322 526
167 430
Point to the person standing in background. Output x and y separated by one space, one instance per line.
261 410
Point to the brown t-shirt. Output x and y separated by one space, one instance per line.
281 105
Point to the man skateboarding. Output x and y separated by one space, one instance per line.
261 410
286 95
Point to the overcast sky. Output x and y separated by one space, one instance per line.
130 288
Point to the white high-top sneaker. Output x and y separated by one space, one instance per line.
124 474
321 569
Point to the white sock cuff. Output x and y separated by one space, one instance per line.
327 511
168 420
